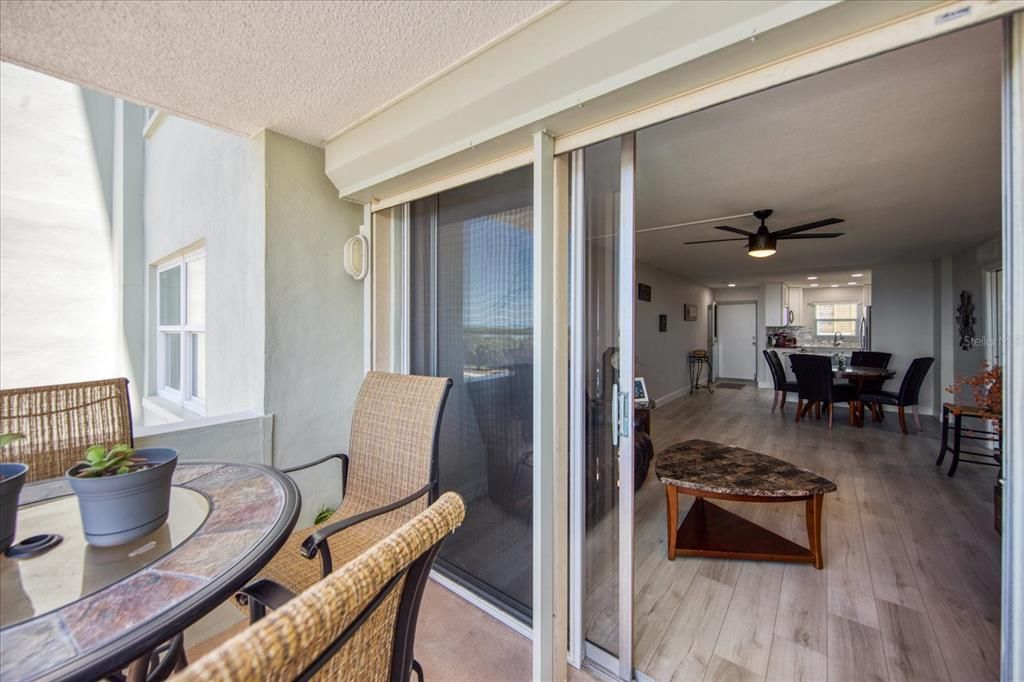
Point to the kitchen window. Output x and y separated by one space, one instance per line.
833 318
181 331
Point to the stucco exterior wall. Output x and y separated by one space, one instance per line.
57 277
314 332
206 186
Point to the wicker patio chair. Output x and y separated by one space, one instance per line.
356 624
388 476
61 421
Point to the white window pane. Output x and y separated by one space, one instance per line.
195 313
170 296
199 366
172 361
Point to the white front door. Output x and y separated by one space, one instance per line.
737 341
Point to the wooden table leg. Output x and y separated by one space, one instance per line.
814 505
672 498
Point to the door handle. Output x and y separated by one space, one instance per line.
615 415
620 408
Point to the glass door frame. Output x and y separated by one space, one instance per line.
580 650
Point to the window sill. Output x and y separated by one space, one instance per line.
168 412
194 422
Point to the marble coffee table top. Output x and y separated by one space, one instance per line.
704 465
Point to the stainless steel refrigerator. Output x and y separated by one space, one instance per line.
865 329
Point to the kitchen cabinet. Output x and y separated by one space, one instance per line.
776 294
796 306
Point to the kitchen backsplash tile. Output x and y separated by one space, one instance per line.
805 338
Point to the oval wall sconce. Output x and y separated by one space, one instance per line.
357 256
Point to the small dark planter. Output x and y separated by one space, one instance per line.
119 509
12 477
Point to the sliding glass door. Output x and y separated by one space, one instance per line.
602 400
471 319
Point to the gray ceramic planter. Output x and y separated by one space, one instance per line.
12 477
119 509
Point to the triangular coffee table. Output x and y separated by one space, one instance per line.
708 470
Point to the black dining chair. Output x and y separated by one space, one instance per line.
907 396
782 387
868 358
815 387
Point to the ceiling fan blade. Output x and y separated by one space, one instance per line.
808 226
819 235
711 241
734 229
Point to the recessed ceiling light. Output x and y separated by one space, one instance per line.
857 274
851 283
813 277
835 286
814 285
730 284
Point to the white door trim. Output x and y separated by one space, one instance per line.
627 318
1013 350
578 415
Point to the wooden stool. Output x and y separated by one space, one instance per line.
993 458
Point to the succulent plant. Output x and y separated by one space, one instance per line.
323 513
119 459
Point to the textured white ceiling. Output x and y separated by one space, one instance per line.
302 68
905 147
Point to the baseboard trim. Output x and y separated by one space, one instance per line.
669 397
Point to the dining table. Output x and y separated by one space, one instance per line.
858 375
75 611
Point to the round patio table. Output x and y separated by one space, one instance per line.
83 612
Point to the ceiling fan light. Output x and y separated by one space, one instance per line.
761 245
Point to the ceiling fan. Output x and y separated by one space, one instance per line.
761 244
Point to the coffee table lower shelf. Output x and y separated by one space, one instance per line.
713 532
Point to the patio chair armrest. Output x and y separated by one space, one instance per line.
317 541
340 455
262 595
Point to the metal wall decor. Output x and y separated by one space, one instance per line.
643 291
965 320
662 323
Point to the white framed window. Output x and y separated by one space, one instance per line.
181 331
837 317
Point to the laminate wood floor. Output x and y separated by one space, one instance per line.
910 588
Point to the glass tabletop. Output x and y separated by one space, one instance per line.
74 569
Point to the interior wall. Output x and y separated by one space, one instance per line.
662 356
903 321
314 316
205 185
969 276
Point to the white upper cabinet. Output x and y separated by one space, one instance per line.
796 306
775 304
